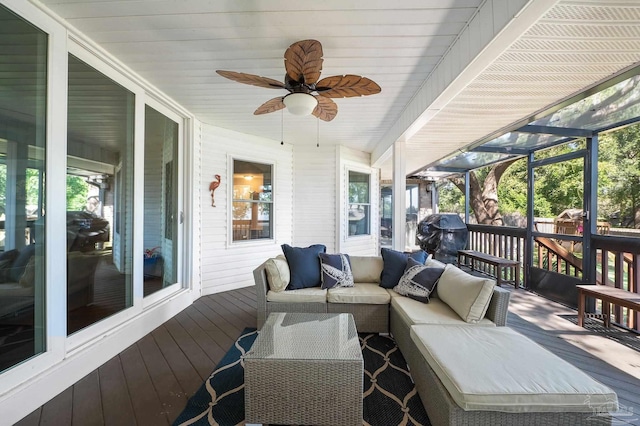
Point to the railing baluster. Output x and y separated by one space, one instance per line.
619 268
633 287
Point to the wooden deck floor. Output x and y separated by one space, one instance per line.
149 382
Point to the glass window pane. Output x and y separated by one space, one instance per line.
386 215
619 182
23 95
99 196
614 104
358 216
160 201
472 160
252 201
358 187
359 219
528 141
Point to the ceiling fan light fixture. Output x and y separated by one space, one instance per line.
300 103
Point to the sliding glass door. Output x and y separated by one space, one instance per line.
23 96
99 196
160 201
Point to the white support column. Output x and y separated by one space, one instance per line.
399 195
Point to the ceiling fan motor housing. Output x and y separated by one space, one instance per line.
300 103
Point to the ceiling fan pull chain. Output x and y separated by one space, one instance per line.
282 127
318 134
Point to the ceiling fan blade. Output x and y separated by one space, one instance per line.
272 105
346 86
303 61
326 109
254 80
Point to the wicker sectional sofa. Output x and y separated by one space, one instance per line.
472 372
369 303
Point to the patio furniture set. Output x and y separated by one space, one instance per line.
468 367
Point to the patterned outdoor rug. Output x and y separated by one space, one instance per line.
390 397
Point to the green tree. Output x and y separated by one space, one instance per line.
483 192
450 198
77 191
619 175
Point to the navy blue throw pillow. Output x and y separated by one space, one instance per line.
336 270
418 281
394 264
304 265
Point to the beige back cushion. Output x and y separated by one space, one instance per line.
366 269
434 263
467 295
278 274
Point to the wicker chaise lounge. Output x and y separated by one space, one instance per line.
556 393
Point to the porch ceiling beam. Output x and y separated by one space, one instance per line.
559 131
560 158
501 150
447 169
552 144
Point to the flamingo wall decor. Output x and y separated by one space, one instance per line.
212 187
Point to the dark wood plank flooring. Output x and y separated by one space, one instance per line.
149 382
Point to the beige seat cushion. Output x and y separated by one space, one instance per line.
314 295
366 269
434 312
498 369
360 293
467 295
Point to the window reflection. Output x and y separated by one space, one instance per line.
23 90
160 201
99 196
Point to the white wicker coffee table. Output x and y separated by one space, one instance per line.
305 368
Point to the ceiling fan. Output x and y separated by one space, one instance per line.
303 63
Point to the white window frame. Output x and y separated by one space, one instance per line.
258 241
348 203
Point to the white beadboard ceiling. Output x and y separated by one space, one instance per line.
178 45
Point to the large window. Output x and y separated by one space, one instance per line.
252 209
99 196
23 96
359 216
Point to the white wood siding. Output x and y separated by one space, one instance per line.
226 265
314 213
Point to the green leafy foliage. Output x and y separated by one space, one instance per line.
77 191
560 186
619 177
450 198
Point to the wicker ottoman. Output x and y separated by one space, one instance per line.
305 368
